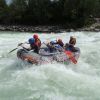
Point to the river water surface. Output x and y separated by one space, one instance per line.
21 81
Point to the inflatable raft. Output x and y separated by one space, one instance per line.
45 56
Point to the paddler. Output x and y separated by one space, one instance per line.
70 46
55 45
35 44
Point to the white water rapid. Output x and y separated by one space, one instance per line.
20 81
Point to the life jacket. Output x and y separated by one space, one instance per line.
70 47
38 42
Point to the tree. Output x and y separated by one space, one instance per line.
79 11
3 10
38 11
17 10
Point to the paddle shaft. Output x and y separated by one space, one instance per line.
13 50
16 47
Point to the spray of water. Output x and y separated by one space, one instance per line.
22 81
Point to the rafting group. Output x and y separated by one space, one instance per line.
53 51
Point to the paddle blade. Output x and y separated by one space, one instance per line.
13 50
71 56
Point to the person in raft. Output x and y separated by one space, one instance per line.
37 40
55 45
35 43
60 42
70 46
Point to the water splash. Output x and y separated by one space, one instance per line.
19 80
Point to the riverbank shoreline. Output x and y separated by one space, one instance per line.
39 28
48 29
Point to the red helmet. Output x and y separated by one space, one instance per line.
35 36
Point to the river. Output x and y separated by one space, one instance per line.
21 81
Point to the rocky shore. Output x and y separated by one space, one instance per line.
94 28
20 28
57 29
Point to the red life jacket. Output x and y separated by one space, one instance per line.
38 42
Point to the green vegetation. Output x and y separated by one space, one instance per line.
72 13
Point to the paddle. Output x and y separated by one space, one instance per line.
71 56
15 48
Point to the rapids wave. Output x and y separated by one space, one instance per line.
21 81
